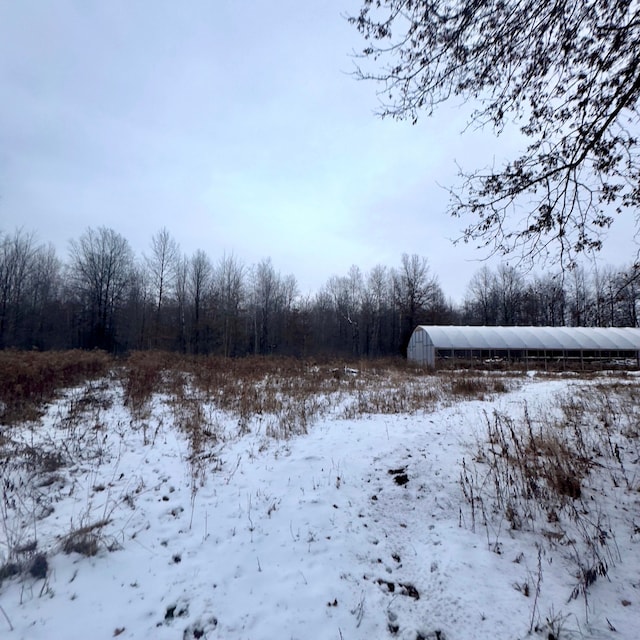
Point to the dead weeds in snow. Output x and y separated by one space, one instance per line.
39 466
474 385
550 474
143 375
277 397
30 379
288 394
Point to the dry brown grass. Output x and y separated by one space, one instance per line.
472 385
294 391
86 540
143 375
541 463
30 379
285 393
546 474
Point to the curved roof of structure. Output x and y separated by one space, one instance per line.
546 338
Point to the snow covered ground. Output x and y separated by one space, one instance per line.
357 529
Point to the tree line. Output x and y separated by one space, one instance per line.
104 296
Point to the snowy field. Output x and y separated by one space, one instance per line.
182 520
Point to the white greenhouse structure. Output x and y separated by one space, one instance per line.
570 346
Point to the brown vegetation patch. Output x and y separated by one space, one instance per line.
468 385
29 379
85 540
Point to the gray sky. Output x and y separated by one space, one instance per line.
234 124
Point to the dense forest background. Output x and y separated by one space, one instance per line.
104 296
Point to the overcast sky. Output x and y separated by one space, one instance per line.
233 123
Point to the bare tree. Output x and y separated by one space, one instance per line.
550 300
101 263
482 297
17 253
580 299
44 324
266 290
137 328
290 291
229 286
273 296
198 284
565 73
417 294
346 295
628 297
162 264
510 289
377 301
182 271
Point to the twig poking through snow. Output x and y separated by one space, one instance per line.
358 611
4 613
537 592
